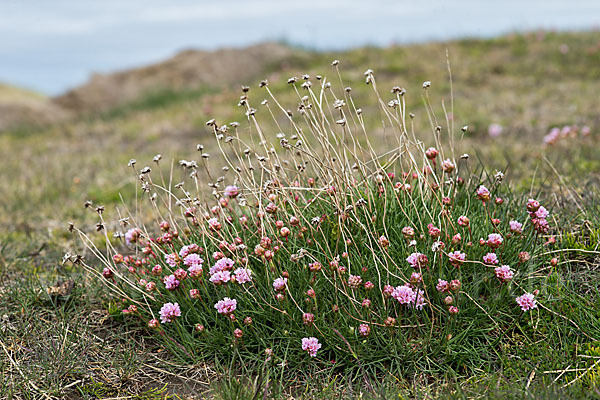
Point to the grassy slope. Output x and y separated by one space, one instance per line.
523 82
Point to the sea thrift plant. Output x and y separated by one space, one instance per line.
302 234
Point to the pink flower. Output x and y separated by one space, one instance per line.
243 275
195 271
457 258
364 330
132 235
171 259
516 227
226 306
504 273
171 283
527 302
442 286
494 240
532 205
220 277
192 259
169 312
354 281
404 294
417 260
433 231
483 193
311 345
223 264
231 191
431 153
542 213
552 136
418 300
214 224
463 221
279 284
490 258
495 130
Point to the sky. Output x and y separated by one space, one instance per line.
50 46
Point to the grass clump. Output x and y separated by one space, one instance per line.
312 252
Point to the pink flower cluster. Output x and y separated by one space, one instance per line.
538 214
504 273
169 312
526 302
407 295
226 306
311 345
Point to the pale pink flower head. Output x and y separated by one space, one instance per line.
542 213
226 306
463 221
214 224
171 259
418 300
526 302
433 230
494 240
279 284
231 191
408 232
311 345
448 166
552 137
504 273
442 286
404 294
222 264
483 193
171 283
417 260
490 259
192 259
516 227
457 258
532 205
243 275
220 277
495 130
364 330
354 281
132 235
431 153
195 271
169 312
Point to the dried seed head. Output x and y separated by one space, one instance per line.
306 77
157 158
145 170
234 124
263 83
199 147
464 128
210 122
87 204
335 62
348 89
245 89
131 162
292 80
426 84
